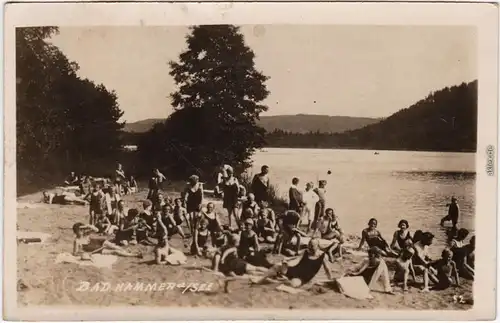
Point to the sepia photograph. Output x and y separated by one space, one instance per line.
237 164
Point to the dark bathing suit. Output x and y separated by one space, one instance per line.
194 200
306 269
401 241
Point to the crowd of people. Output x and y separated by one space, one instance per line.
308 232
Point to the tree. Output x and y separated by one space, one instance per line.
62 121
217 104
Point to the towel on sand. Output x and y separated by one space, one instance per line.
176 258
98 260
354 287
32 237
288 289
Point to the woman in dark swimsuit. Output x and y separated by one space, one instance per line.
374 238
194 199
231 189
400 236
311 261
200 239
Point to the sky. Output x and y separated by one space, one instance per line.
360 71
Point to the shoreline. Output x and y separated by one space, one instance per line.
31 268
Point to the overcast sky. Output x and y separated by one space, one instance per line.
363 71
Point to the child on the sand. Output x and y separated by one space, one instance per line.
404 264
446 271
85 244
372 269
374 238
96 203
250 203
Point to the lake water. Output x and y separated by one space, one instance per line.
390 186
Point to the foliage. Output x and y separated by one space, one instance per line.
62 121
216 106
445 120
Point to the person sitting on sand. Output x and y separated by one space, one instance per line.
373 269
404 264
200 245
164 253
468 263
374 238
250 203
453 213
72 180
400 236
328 226
248 214
309 264
64 198
266 227
86 244
96 203
127 230
172 222
421 260
131 185
288 231
193 197
460 251
446 271
227 261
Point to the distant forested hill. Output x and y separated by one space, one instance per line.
445 120
301 123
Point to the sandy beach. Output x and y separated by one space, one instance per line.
40 281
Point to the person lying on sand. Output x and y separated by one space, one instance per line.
85 244
400 236
373 269
308 266
227 261
374 238
404 264
64 198
446 271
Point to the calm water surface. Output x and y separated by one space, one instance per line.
390 186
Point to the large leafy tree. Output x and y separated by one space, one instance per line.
62 120
217 104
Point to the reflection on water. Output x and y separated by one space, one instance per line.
391 186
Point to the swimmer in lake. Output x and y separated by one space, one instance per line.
86 243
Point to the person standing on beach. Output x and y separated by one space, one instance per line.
309 198
319 209
193 197
119 178
231 190
295 196
260 185
453 213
